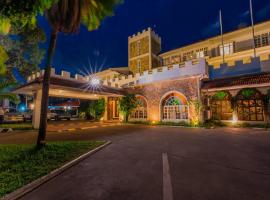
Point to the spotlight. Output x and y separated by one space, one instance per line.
94 81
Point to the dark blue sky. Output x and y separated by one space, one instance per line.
177 22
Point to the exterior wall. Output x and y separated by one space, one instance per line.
188 69
155 92
241 41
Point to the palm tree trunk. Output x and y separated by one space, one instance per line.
45 91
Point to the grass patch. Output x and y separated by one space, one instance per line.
21 164
20 126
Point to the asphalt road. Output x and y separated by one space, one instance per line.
162 163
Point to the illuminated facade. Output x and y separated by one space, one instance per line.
190 84
173 83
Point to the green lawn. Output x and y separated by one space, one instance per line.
20 126
21 164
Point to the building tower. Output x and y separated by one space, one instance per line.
143 50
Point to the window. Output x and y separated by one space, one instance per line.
138 47
201 53
140 113
261 40
257 41
265 39
166 61
250 105
174 108
139 66
175 59
221 107
184 58
228 49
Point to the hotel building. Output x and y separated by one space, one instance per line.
198 82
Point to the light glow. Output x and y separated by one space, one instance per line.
235 119
94 81
31 106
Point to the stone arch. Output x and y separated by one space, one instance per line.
141 112
174 107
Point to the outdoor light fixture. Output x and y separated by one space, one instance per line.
31 106
22 108
235 120
94 81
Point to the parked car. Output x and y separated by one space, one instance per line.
27 115
13 116
2 113
51 115
62 114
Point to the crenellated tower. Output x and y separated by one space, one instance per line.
143 50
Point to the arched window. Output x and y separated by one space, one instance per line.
250 105
140 113
174 107
221 106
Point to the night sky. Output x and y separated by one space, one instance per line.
177 22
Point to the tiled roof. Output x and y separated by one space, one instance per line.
253 79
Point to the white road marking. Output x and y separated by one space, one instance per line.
167 184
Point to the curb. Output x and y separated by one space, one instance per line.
40 181
81 129
6 130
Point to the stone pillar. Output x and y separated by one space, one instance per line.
267 110
37 109
105 116
6 103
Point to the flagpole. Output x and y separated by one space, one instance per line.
253 29
221 32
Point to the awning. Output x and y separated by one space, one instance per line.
69 88
253 80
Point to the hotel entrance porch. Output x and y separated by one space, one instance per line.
64 86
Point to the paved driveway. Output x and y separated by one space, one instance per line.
155 163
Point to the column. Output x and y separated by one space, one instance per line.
105 116
37 109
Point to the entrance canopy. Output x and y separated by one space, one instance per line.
65 86
70 88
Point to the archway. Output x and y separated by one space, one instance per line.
221 106
249 105
174 107
140 112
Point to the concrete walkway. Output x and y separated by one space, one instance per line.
159 163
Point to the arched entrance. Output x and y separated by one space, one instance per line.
250 105
174 107
140 112
221 106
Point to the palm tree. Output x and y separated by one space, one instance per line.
66 16
5 87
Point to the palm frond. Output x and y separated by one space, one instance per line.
6 85
94 11
10 96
